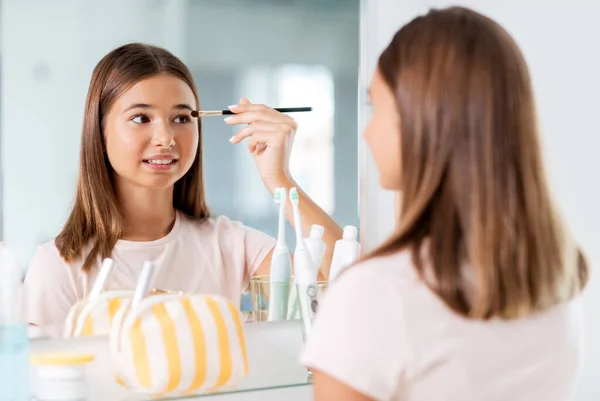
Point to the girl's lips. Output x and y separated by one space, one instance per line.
163 164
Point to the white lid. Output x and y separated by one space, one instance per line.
317 231
350 232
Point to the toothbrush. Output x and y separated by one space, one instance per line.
293 312
102 280
143 284
281 269
303 264
305 278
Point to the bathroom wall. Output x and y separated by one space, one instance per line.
561 42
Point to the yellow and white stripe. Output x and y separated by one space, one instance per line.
180 344
94 317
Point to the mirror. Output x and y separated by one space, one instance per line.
291 53
284 54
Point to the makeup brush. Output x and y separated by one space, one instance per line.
210 113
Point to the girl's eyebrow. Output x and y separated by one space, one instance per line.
181 106
138 106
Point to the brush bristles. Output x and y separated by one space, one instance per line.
293 194
277 196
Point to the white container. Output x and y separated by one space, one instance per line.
61 377
345 252
316 246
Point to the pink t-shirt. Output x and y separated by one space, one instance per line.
217 256
383 332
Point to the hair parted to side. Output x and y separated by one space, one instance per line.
96 220
474 189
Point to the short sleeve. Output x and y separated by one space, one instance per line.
358 337
49 288
257 245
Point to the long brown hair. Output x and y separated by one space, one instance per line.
474 190
96 220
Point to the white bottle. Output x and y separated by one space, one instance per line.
345 252
316 246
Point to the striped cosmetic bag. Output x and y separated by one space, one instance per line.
178 344
93 316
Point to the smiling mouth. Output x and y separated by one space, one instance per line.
161 162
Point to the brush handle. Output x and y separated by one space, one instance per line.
143 285
102 279
308 304
212 113
280 109
293 311
279 294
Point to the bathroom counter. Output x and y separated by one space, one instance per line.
274 373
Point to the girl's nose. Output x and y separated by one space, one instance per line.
164 136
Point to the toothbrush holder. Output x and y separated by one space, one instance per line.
260 288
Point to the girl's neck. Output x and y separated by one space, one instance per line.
148 214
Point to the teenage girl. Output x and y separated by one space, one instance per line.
140 192
476 295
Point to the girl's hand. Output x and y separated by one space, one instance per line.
270 137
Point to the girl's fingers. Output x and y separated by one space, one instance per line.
273 139
260 115
250 130
275 134
255 146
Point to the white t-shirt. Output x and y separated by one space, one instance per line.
217 256
384 333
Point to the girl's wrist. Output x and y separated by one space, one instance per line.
283 180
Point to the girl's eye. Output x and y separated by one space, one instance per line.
140 119
182 119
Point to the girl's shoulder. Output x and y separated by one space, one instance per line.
47 257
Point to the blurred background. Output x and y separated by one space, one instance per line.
282 53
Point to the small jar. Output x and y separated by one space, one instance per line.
61 377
